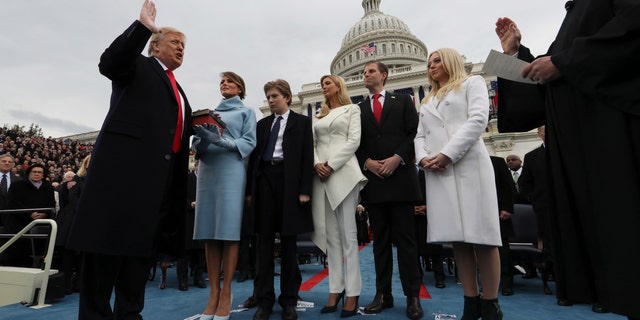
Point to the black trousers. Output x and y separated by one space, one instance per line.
506 265
393 223
247 255
194 258
100 275
269 205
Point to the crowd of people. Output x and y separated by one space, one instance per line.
299 174
58 156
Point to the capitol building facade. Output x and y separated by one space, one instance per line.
379 36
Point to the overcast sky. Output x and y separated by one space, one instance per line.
50 49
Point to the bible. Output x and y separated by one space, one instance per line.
207 116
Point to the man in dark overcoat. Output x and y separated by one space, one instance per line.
121 222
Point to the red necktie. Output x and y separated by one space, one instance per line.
178 136
377 107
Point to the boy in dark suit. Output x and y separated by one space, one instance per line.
279 185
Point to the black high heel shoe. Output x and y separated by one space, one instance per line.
350 313
334 307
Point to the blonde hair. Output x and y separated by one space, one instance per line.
343 95
156 37
453 65
84 166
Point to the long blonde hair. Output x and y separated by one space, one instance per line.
84 166
453 65
343 95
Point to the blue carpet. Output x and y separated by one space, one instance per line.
528 303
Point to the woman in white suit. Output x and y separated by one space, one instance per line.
462 205
338 181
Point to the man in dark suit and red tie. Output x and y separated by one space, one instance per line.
119 224
386 155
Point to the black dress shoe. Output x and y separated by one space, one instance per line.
261 314
440 283
244 276
564 302
599 308
182 286
199 282
289 313
507 291
414 309
379 303
546 289
250 303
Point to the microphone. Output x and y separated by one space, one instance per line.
569 5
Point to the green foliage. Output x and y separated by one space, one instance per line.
34 129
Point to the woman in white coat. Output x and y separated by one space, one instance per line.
338 181
462 206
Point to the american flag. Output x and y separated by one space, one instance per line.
369 48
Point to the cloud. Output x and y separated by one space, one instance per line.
44 121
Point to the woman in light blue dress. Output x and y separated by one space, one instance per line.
220 190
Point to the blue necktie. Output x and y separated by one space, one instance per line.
273 137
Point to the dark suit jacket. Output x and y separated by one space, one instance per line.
533 185
4 198
24 195
190 214
394 135
506 197
118 214
297 146
528 113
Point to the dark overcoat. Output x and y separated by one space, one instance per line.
132 163
297 147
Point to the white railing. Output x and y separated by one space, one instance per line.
49 255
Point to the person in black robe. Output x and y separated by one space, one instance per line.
588 98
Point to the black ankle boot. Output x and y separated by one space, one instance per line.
471 308
490 309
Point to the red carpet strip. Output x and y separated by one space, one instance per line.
424 294
313 281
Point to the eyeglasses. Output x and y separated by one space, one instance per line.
37 172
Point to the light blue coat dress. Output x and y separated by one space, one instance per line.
222 174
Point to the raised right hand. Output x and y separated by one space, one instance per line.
148 16
509 35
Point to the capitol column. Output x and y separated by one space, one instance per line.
416 97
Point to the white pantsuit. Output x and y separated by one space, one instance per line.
342 245
336 138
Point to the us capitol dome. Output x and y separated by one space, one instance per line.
380 36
